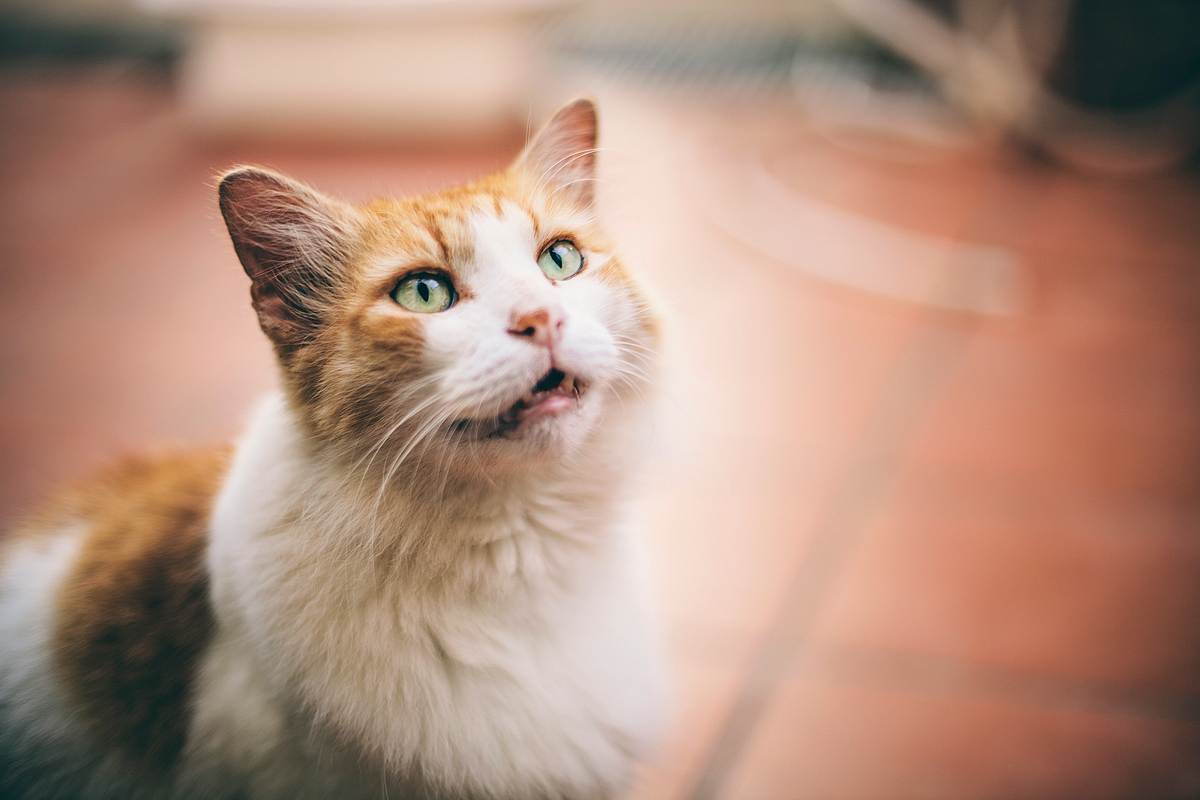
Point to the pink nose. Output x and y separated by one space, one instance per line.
542 326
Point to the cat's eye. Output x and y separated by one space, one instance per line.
561 260
425 292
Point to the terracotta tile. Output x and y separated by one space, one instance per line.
725 537
977 193
1105 297
756 350
1101 412
769 378
1100 593
703 687
1149 219
835 739
47 131
751 442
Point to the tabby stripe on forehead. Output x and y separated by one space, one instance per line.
435 230
537 223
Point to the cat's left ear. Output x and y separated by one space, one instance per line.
562 156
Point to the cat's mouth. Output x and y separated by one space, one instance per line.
555 392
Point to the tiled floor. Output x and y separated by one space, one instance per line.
903 549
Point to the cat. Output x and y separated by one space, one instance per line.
415 575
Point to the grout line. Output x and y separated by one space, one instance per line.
937 674
843 524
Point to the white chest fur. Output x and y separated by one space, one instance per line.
506 654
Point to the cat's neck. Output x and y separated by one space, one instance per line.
482 531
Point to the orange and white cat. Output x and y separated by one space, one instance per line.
414 575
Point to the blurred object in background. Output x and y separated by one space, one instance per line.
348 69
54 35
926 499
1104 85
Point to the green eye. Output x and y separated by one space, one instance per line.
560 260
425 292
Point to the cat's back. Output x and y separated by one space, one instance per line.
104 613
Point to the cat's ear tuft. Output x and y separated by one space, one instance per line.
562 156
292 241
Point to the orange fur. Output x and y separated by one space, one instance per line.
133 614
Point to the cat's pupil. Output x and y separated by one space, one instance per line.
557 256
423 290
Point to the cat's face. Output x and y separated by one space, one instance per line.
487 326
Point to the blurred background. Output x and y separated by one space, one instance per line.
925 506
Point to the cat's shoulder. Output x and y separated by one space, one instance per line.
132 614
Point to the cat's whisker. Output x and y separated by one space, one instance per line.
549 174
428 427
391 431
564 186
554 168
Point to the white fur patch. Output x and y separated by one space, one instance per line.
39 740
530 671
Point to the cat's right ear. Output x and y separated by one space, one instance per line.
293 242
562 156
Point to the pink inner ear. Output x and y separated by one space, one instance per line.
562 155
276 318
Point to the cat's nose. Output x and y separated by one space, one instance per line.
541 326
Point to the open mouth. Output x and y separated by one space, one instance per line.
555 393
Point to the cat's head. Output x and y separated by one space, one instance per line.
486 325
